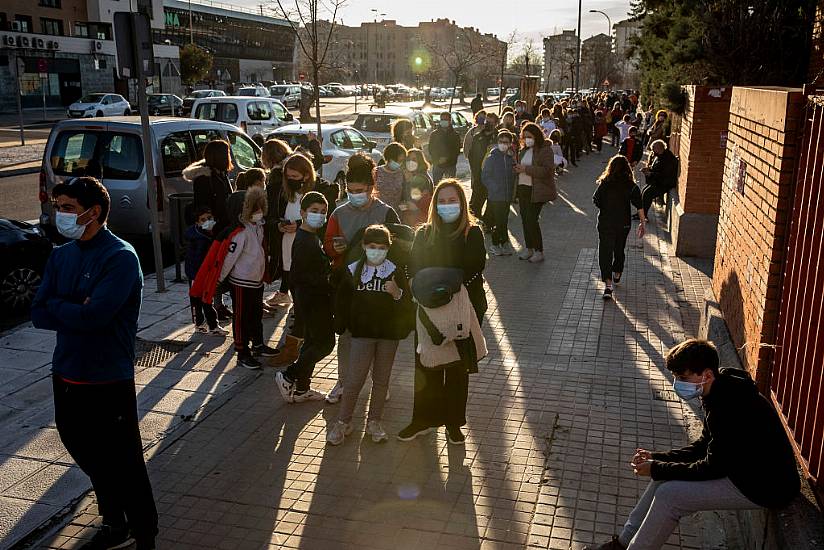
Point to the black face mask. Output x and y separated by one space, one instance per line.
294 185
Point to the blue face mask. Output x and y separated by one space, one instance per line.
376 256
357 199
449 212
67 225
315 220
688 390
444 124
393 165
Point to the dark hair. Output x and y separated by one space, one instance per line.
359 169
249 177
545 112
88 192
555 136
200 210
446 115
693 356
377 234
400 127
508 109
506 134
312 197
394 151
535 131
216 155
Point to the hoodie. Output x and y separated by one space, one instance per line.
211 188
743 439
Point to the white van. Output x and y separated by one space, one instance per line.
253 115
288 94
110 148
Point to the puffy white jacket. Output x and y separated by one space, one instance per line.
245 260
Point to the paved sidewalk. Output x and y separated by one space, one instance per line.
572 385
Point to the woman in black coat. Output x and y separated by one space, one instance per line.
449 239
210 182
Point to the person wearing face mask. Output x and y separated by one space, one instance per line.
521 113
482 142
450 239
658 129
243 268
444 148
313 293
373 303
90 296
418 189
361 210
743 459
403 132
480 124
536 187
389 176
199 237
498 176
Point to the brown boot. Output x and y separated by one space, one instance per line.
288 353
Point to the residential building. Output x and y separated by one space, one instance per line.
559 60
597 61
627 57
64 49
248 47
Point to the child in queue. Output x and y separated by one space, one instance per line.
199 237
389 178
417 189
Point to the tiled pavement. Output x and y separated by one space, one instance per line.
572 385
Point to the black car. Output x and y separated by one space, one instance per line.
163 104
24 249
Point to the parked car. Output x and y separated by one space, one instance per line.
323 91
24 249
338 143
337 89
253 91
199 94
163 104
92 105
376 124
111 149
253 115
288 94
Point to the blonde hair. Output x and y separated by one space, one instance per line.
436 224
254 200
302 164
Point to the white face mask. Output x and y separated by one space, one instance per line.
503 147
375 256
411 165
208 225
529 142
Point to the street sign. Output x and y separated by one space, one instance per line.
42 65
131 29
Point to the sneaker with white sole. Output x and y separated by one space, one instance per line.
335 395
376 431
202 329
285 387
337 431
412 431
248 362
263 350
455 435
537 257
308 395
219 331
525 253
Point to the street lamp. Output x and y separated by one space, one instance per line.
609 22
376 13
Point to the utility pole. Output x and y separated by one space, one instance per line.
21 68
578 52
191 27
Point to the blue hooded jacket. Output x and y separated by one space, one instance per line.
197 246
90 294
498 177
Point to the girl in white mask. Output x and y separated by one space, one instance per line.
372 304
417 189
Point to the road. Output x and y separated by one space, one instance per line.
11 134
20 197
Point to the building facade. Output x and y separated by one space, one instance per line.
628 61
247 47
597 62
559 60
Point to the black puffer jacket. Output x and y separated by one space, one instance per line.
743 439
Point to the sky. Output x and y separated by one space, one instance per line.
532 18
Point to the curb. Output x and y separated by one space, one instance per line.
19 171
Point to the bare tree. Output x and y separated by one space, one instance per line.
527 60
459 53
317 20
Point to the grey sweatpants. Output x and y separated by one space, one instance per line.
665 502
363 353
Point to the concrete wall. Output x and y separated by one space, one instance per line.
756 201
702 150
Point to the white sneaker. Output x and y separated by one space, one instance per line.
203 329
536 257
337 432
374 429
335 395
219 331
525 253
286 388
308 395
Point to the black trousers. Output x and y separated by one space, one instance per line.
440 396
202 312
649 194
571 148
499 212
478 199
247 325
98 425
611 251
319 338
530 216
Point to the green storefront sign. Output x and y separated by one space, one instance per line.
172 20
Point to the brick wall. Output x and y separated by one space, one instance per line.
760 155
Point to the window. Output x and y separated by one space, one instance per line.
258 110
338 139
25 23
420 121
458 121
200 138
50 4
373 123
220 112
123 157
81 30
279 111
356 140
177 153
52 26
73 153
243 151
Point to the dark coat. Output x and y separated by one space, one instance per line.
477 104
211 189
444 143
197 246
614 202
663 171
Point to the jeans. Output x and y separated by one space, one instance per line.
247 325
441 172
499 211
318 342
380 354
611 251
665 502
530 216
98 425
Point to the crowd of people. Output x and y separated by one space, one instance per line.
400 250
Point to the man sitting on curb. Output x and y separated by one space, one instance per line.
742 460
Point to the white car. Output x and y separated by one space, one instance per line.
94 105
253 91
253 115
338 143
376 124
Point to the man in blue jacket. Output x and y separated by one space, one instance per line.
90 295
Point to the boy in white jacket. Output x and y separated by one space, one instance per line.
244 266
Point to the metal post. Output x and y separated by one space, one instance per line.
20 67
578 52
43 89
191 31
